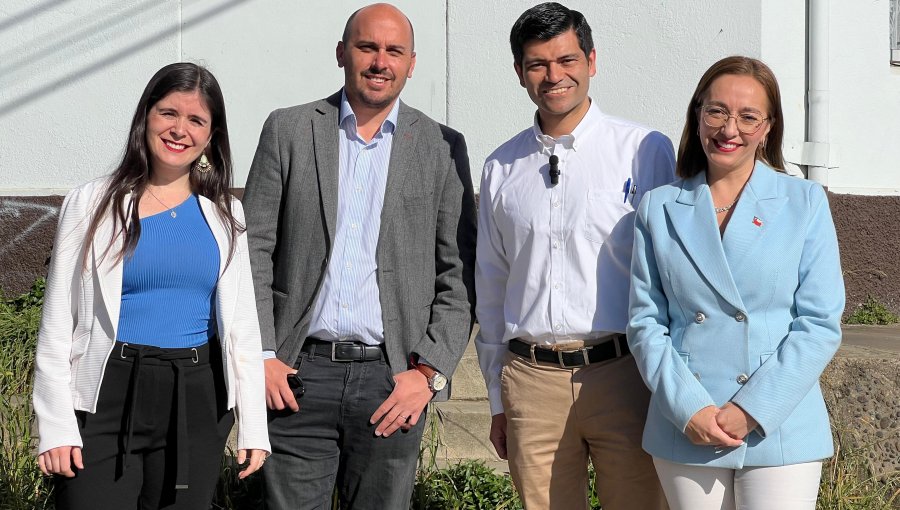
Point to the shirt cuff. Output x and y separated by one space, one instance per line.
267 354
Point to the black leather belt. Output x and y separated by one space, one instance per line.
615 347
343 351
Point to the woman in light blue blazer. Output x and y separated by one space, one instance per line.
735 307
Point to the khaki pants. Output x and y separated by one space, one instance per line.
558 418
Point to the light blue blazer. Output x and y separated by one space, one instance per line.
752 317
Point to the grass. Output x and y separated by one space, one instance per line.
849 483
872 312
21 484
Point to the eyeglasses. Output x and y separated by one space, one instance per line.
748 123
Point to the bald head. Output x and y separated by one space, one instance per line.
375 12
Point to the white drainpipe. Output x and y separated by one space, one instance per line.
817 149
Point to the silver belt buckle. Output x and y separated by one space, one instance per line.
584 354
334 347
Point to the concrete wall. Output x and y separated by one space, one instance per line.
650 56
71 72
865 99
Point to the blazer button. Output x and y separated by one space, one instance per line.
742 379
699 318
740 317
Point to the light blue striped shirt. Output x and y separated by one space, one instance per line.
348 305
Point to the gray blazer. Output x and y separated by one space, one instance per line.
426 244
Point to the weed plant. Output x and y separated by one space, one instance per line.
21 484
848 482
872 312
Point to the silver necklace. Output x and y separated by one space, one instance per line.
171 210
720 210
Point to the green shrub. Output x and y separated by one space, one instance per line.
464 486
873 313
21 484
233 493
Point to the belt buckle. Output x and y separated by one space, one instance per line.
584 354
333 349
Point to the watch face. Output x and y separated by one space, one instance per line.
438 382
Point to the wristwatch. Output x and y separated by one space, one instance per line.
436 380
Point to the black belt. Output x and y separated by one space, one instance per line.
615 347
343 351
140 352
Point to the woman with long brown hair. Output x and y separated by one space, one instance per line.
736 300
149 345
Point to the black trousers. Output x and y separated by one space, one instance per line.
329 443
137 468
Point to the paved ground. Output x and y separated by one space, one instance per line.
884 338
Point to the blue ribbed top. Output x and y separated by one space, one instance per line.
169 283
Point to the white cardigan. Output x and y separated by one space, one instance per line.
81 316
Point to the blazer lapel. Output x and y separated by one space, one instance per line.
224 299
403 150
694 221
325 143
108 269
754 215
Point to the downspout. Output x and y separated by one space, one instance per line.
817 148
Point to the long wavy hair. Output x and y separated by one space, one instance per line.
133 173
691 158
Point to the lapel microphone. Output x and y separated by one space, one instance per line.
554 170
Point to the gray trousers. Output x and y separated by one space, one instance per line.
329 443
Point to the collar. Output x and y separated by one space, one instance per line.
346 112
763 184
570 141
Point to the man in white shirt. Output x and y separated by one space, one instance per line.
555 232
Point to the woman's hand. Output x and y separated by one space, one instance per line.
703 429
735 421
61 460
257 458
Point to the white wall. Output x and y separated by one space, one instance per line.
71 72
865 99
650 56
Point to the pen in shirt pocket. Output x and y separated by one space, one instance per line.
628 189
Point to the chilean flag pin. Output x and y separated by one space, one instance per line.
756 221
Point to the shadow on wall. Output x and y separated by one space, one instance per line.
33 67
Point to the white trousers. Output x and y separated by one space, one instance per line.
792 487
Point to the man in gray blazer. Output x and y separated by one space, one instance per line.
361 221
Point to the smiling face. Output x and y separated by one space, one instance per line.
178 130
726 148
377 57
556 73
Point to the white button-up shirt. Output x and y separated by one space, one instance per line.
553 261
348 306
